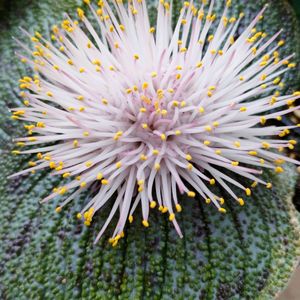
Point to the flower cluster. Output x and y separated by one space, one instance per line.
145 113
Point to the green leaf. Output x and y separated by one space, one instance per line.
249 253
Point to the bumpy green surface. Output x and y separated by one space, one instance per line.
249 253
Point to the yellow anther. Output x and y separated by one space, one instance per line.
175 103
58 209
80 13
79 216
291 65
265 145
263 77
263 120
177 132
40 124
188 157
145 85
49 94
75 143
237 144
156 166
86 133
242 78
143 157
52 164
209 94
222 210
208 128
152 204
269 185
201 109
242 109
279 161
99 176
171 217
104 181
130 219
152 29
21 144
235 163
66 175
104 101
144 125
80 98
87 223
279 170
253 153
191 194
254 184
216 124
183 50
212 181
263 63
136 56
241 201
210 38
122 27
281 43
276 80
163 137
83 184
88 164
118 164
262 161
19 112
178 208
218 151
164 209
206 143
183 21
182 103
248 192
145 223
62 190
207 200
16 152
221 200
199 64
153 74
189 167
164 112
155 152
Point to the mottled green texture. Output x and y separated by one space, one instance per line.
249 253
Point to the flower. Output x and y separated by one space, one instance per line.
144 112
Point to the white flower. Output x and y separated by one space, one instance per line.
147 110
